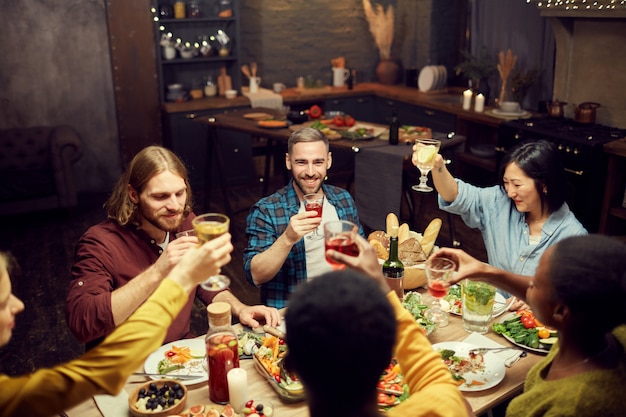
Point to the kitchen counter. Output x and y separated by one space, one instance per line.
449 102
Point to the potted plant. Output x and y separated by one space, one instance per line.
477 68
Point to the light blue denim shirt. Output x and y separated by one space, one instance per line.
504 229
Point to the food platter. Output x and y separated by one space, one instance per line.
543 348
258 116
197 365
488 377
274 124
285 394
362 131
453 298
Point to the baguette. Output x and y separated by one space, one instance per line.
430 235
392 220
403 232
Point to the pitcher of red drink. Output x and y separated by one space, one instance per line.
221 349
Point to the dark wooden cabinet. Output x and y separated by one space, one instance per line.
361 107
188 139
414 115
613 215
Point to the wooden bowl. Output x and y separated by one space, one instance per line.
176 408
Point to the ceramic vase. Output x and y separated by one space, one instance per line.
388 71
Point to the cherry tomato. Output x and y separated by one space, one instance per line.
543 333
277 378
249 403
528 322
339 121
349 120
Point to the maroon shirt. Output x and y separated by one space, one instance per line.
107 257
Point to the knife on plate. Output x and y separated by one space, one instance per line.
165 376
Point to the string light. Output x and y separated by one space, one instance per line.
581 5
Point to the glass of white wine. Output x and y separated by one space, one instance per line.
209 226
426 150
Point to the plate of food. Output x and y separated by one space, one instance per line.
452 302
273 124
522 329
183 357
413 302
268 361
472 371
408 134
362 131
391 387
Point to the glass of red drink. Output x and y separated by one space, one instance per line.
438 272
339 235
314 202
222 356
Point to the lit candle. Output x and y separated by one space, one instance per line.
479 105
237 388
467 99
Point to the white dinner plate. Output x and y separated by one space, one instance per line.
192 367
543 349
489 377
426 79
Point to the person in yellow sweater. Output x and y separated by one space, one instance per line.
578 289
341 331
105 368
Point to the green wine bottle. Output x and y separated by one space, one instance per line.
393 269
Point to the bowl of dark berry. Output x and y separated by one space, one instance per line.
157 399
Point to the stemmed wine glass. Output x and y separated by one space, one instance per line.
438 272
209 226
314 202
426 150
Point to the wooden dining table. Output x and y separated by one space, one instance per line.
259 388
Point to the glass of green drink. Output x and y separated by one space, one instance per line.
477 300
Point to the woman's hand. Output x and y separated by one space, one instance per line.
467 266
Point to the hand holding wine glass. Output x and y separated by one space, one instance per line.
425 152
340 235
314 202
439 271
209 226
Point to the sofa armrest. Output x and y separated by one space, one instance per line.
66 149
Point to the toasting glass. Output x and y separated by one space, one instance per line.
209 226
314 202
438 272
426 151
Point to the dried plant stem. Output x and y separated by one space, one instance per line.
381 25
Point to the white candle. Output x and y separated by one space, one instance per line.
237 388
467 99
479 105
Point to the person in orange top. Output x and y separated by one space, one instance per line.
350 322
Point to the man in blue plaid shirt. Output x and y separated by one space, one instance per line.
277 258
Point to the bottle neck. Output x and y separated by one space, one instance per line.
393 249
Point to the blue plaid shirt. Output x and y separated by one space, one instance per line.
268 219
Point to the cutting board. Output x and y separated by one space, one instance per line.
224 82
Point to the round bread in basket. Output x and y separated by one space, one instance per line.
413 250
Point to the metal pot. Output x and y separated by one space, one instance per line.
586 112
555 108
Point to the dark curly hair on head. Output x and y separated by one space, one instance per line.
340 320
588 274
541 161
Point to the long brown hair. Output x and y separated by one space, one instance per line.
149 162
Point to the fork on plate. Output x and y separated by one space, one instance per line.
494 349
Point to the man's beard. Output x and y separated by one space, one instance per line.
299 183
160 222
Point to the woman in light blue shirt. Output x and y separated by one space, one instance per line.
521 216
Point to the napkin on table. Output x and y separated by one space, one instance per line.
264 98
510 357
112 406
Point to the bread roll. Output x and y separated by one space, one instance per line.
381 252
392 220
381 237
403 232
430 235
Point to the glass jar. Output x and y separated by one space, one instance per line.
222 350
210 89
180 11
225 9
194 9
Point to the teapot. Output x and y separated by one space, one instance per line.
586 112
555 108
